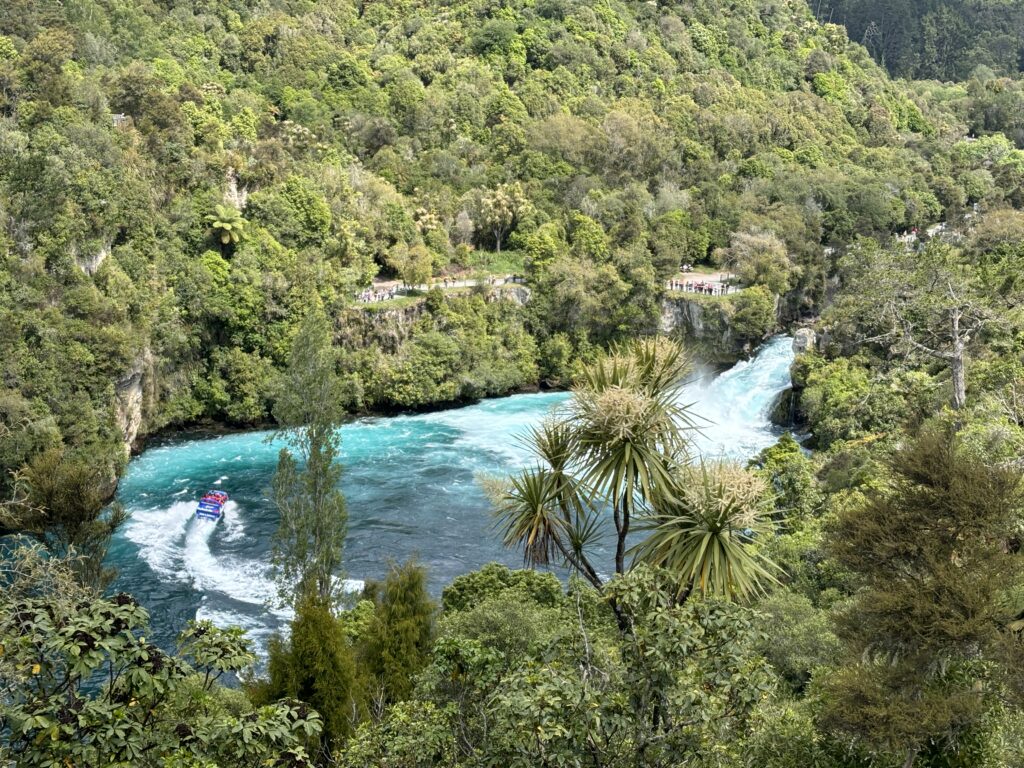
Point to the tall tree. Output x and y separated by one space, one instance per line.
931 301
61 499
397 643
927 633
316 664
621 447
310 405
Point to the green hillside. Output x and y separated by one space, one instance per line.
603 144
199 198
935 39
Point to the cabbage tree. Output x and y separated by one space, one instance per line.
615 449
705 534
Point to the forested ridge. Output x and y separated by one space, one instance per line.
604 145
935 39
193 196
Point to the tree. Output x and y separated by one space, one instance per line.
413 263
501 209
398 641
931 302
227 226
702 533
80 684
309 407
616 446
759 258
926 638
316 664
519 682
65 507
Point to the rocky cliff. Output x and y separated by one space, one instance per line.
134 397
722 329
364 325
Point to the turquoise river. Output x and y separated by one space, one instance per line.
410 483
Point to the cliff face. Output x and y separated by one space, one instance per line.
697 320
134 397
361 327
722 329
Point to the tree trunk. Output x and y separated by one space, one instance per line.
622 531
956 364
911 757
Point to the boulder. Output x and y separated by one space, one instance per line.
804 340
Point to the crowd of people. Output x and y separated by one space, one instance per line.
370 296
706 287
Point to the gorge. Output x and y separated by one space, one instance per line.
411 487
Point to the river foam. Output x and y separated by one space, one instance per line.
411 490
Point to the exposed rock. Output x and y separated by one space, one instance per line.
233 194
91 264
782 411
517 294
804 340
706 324
130 398
362 327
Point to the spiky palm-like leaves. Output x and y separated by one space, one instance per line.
618 445
629 428
545 510
703 534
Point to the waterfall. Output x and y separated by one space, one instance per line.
410 483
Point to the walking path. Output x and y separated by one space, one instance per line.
384 290
707 283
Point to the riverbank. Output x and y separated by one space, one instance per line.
411 486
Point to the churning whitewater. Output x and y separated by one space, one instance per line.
410 484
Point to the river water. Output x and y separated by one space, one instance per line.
410 483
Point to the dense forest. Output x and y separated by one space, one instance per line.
193 194
942 40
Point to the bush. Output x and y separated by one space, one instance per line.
493 579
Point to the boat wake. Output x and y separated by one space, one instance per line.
409 481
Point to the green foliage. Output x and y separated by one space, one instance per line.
311 532
493 580
754 314
465 348
845 400
296 213
396 643
414 735
65 506
316 665
937 41
791 475
616 445
227 225
702 532
82 686
800 635
566 688
759 258
924 638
